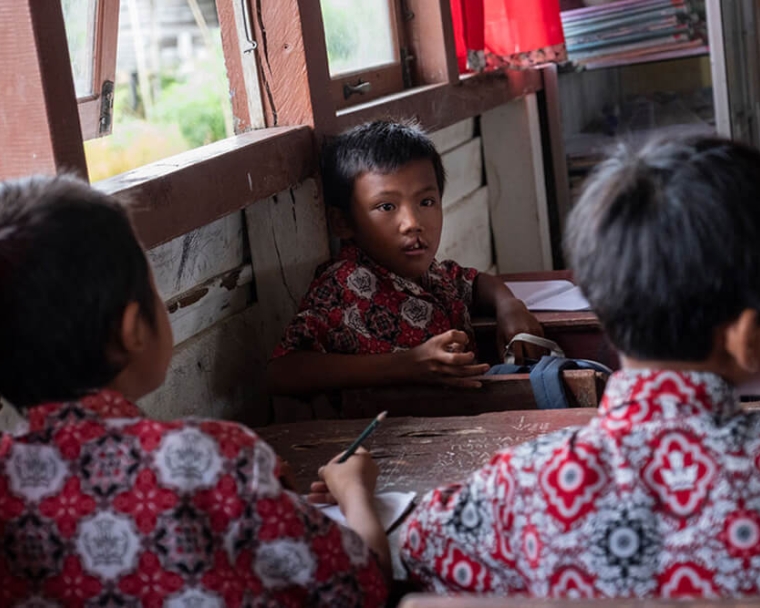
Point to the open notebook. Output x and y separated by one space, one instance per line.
391 506
556 295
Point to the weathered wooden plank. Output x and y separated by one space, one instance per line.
430 37
454 135
288 239
440 105
464 171
39 121
466 236
417 454
210 302
182 193
514 173
498 393
216 374
197 256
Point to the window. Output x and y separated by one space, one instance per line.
363 49
91 27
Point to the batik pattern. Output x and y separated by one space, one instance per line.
100 506
657 496
356 306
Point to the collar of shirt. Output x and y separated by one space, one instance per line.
646 394
427 284
97 405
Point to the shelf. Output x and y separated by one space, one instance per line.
693 50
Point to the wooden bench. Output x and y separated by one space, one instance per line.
437 601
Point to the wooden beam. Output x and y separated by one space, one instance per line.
441 105
430 36
184 192
39 121
292 55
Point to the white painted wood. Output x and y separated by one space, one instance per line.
288 240
716 41
455 135
248 62
216 374
197 256
209 303
464 171
466 236
517 193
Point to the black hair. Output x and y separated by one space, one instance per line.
382 146
665 243
69 266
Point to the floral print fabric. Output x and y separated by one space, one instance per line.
100 506
657 496
356 306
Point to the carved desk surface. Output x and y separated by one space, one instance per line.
416 454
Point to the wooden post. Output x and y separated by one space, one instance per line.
430 34
292 54
39 121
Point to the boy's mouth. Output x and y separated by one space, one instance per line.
418 247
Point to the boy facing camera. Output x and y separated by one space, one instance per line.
385 311
101 505
660 494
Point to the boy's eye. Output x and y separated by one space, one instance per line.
428 202
385 207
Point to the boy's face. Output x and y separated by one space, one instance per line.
396 218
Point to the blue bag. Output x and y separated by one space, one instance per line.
546 373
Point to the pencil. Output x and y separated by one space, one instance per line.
360 439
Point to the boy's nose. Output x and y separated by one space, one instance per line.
410 222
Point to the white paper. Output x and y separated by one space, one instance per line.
390 506
556 295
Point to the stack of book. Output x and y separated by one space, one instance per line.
630 31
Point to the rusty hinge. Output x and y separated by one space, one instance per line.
106 108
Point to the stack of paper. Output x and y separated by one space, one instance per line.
549 295
391 507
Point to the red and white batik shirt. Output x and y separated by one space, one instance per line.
100 506
657 496
357 307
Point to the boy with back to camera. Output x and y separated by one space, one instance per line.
101 505
386 312
660 494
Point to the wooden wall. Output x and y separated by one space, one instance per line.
233 285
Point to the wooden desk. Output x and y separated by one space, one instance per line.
578 333
416 454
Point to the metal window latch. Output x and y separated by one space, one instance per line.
106 108
359 88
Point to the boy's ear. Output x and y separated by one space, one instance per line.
132 329
340 224
743 341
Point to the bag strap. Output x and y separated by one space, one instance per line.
550 345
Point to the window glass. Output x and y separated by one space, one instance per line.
171 88
359 34
79 17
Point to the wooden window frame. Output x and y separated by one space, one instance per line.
94 116
384 79
177 195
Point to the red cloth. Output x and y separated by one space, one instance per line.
101 506
507 29
357 307
659 496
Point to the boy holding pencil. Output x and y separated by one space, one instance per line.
659 496
100 505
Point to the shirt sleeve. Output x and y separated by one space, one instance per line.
458 538
462 277
298 554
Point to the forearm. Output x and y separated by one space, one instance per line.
362 518
491 293
304 372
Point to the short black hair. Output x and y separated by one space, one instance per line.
69 266
381 146
665 243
